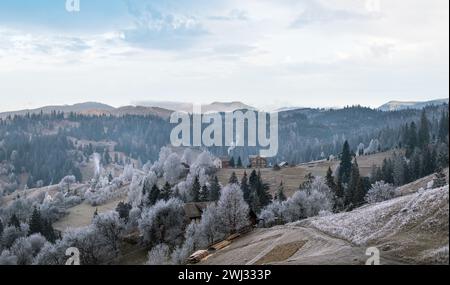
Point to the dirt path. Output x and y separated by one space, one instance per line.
270 246
276 246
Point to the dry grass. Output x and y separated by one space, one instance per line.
292 177
81 215
281 252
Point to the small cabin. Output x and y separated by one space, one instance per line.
257 161
222 162
193 211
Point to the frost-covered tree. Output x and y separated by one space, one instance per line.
134 217
232 209
440 179
194 236
399 170
345 166
245 187
195 190
139 188
51 254
128 172
188 156
14 221
360 149
110 227
210 225
163 223
379 192
159 255
123 209
147 166
273 214
373 147
12 233
157 167
94 248
19 209
204 194
1 228
37 242
23 251
214 189
153 195
66 182
307 202
26 248
7 258
166 192
233 179
280 196
172 168
36 222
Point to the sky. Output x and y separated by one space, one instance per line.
269 54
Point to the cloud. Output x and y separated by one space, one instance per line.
233 15
155 28
314 12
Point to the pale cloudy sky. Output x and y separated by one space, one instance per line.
264 53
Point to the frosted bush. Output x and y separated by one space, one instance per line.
379 192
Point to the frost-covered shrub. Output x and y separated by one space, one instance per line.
273 214
379 192
309 202
103 195
37 242
72 201
54 209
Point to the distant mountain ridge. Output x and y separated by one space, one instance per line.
77 108
94 108
402 105
161 109
206 108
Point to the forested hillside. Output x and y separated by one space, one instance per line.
41 146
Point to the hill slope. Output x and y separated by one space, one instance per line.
401 105
76 108
409 229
